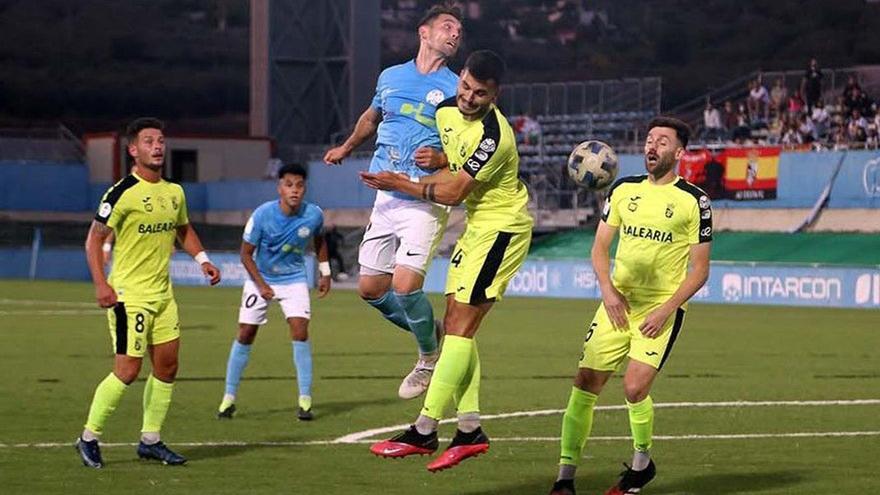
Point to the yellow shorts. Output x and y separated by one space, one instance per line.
134 325
483 262
605 347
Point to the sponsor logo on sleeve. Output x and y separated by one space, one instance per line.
488 145
706 232
105 210
704 202
706 214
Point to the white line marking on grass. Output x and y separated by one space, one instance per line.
54 312
354 437
73 304
741 436
41 302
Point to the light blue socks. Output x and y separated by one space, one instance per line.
238 360
420 317
390 307
302 360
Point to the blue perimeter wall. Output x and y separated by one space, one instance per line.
729 283
36 186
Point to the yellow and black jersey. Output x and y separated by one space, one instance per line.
656 224
486 149
144 217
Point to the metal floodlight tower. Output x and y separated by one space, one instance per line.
314 66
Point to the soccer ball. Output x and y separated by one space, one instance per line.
592 165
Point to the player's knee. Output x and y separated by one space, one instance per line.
299 330
371 292
247 333
635 391
127 372
371 287
591 381
166 372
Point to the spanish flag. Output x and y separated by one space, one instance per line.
751 173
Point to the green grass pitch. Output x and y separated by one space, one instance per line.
55 348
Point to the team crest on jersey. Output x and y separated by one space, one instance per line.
162 204
174 202
105 210
670 209
704 202
633 206
434 97
488 145
304 232
148 207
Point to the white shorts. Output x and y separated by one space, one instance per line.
294 300
401 232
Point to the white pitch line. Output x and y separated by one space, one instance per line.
740 436
354 437
54 312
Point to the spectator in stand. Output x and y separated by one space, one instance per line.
712 128
776 127
729 118
778 97
806 129
742 131
857 100
811 84
531 130
758 101
821 120
841 142
795 104
872 141
851 85
856 126
792 137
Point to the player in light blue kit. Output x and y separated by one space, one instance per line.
278 232
404 231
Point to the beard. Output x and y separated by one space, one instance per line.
665 163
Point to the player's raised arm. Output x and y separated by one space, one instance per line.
442 187
365 128
191 243
98 234
323 253
615 303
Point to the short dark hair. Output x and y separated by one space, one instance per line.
137 125
682 129
485 65
292 169
439 9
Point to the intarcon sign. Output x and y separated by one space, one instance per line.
729 283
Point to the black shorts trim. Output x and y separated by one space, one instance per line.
676 327
490 268
121 328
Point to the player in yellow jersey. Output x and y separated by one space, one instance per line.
483 174
662 259
145 214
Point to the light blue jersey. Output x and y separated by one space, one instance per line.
407 100
281 240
